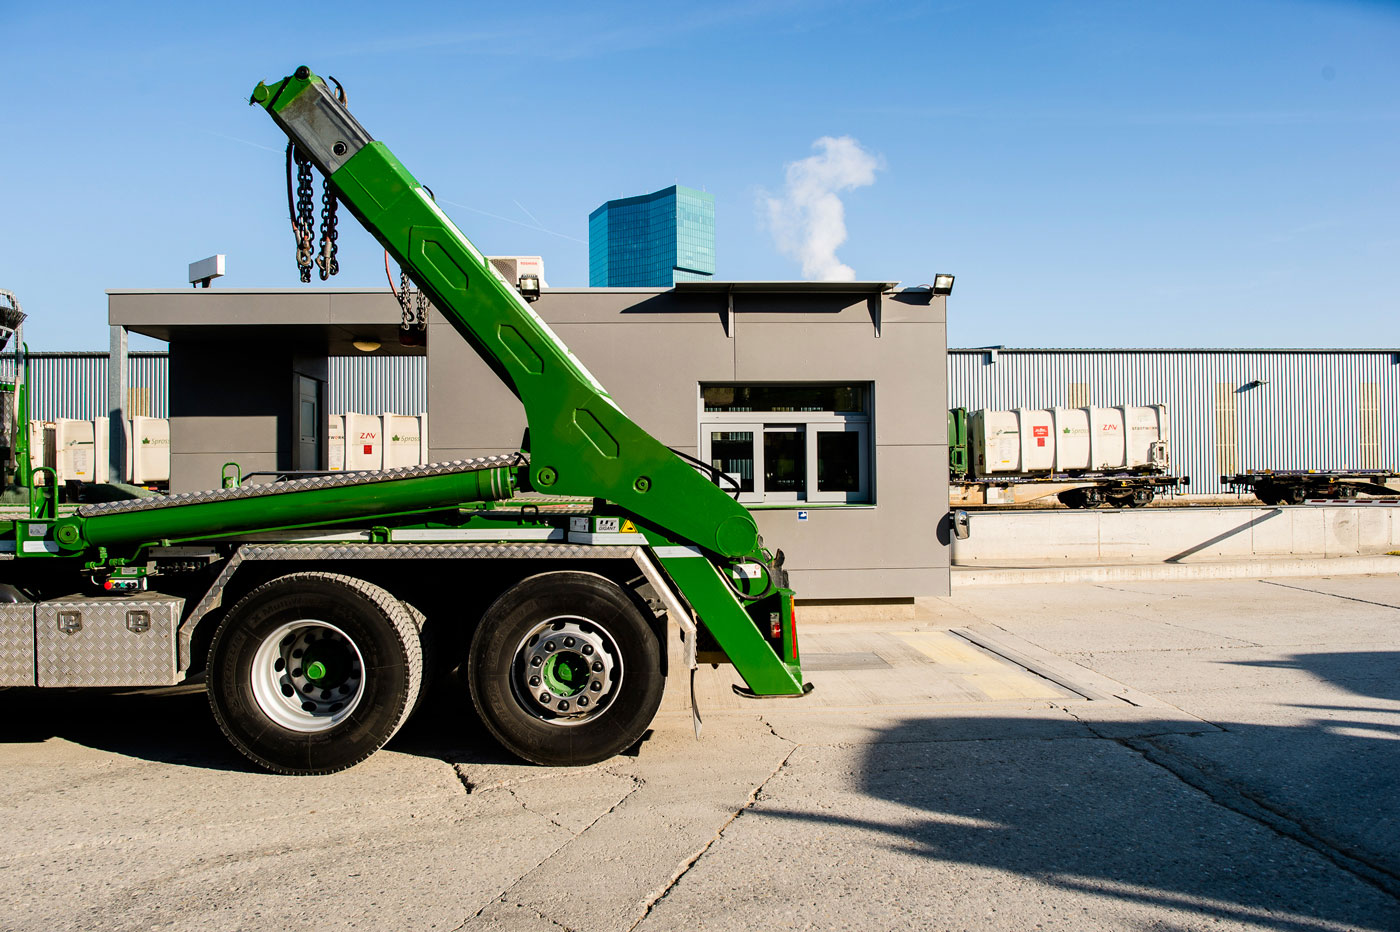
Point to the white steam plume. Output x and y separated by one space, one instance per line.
808 220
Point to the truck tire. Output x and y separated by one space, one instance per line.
565 670
311 673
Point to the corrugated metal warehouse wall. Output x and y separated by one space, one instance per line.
1230 410
74 384
1310 409
369 385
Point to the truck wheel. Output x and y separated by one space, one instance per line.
565 670
313 672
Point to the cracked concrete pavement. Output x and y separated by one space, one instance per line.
1152 755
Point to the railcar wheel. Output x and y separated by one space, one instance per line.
565 670
313 672
1074 498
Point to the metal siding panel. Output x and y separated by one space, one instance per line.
375 385
74 385
1306 416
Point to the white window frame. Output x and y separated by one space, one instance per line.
784 427
754 429
812 424
861 428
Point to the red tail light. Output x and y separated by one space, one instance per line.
793 625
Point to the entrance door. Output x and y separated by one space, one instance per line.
308 424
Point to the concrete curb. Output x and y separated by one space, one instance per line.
970 576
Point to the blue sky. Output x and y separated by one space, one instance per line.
1095 173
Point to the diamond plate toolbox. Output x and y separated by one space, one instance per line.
17 644
107 641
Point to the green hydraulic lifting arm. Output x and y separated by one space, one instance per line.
580 442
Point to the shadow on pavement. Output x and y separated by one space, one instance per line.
173 725
1189 823
1373 674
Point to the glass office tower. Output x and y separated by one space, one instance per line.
652 240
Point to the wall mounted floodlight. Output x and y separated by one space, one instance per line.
366 345
942 284
206 270
529 286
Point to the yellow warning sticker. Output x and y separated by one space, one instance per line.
628 527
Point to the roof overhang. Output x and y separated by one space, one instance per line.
779 287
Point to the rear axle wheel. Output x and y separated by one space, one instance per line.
565 669
313 672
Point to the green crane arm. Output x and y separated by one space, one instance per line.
580 441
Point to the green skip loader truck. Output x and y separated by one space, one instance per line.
316 607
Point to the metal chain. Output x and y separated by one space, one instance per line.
413 303
405 302
326 261
304 224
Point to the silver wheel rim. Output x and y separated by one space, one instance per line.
308 676
566 671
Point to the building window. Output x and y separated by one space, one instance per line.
785 443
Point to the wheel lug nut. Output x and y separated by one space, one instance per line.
595 686
569 642
549 645
597 666
564 706
534 661
582 701
544 697
534 681
587 650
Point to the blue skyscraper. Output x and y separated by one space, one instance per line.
652 240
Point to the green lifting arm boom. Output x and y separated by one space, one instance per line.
580 441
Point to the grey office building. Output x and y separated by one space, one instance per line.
825 401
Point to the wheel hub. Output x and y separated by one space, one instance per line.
566 671
307 676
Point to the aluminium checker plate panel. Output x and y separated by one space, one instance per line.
399 551
333 481
107 642
17 644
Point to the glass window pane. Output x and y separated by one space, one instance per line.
784 461
309 422
838 398
838 461
732 452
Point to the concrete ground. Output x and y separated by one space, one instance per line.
1168 755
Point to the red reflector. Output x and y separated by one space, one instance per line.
793 623
368 449
107 584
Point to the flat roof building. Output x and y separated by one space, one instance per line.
824 401
652 240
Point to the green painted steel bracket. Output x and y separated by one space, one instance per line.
747 649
